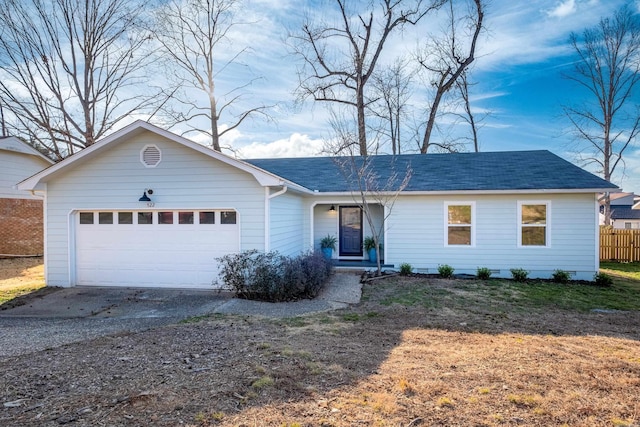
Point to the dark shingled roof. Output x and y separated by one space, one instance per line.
507 170
624 212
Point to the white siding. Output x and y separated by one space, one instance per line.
325 223
15 167
287 224
117 178
622 223
415 234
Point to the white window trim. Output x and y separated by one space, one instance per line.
473 223
547 237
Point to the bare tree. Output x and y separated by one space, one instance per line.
70 69
468 116
339 58
446 58
194 35
608 67
393 90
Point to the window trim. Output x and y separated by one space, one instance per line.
547 236
473 225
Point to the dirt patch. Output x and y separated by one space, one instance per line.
450 354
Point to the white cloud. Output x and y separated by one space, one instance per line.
296 145
563 9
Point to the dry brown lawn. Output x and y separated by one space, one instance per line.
19 276
416 351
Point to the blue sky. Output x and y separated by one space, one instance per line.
518 74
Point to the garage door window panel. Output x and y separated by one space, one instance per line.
165 217
145 217
86 217
105 217
228 217
207 217
125 217
185 217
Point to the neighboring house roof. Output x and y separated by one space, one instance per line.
488 171
624 212
11 143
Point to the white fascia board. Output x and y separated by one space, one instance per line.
462 192
263 177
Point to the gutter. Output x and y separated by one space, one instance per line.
267 213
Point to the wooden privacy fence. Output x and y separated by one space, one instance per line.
619 245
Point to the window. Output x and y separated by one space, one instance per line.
533 223
185 217
86 217
165 217
207 217
145 217
227 217
459 224
105 218
125 217
627 225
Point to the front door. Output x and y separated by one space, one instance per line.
350 231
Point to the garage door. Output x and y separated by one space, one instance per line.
175 248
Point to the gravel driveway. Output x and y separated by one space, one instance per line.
79 314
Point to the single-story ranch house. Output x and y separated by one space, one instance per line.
145 207
21 231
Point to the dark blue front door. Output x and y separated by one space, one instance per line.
350 231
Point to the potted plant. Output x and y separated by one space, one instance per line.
370 247
328 245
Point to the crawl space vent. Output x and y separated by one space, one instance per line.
150 156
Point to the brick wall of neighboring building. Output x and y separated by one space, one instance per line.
21 227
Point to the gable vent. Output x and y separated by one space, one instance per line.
150 156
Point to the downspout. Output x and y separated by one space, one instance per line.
267 214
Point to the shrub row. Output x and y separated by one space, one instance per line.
273 277
518 274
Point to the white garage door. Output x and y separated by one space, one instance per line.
175 248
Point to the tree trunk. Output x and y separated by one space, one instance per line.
362 130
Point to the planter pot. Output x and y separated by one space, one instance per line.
372 255
327 252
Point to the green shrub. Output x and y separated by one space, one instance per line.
483 273
519 274
445 271
405 269
328 241
561 276
603 279
273 277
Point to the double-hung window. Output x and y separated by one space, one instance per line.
533 223
459 224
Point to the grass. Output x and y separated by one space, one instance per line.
506 295
9 293
626 270
20 277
